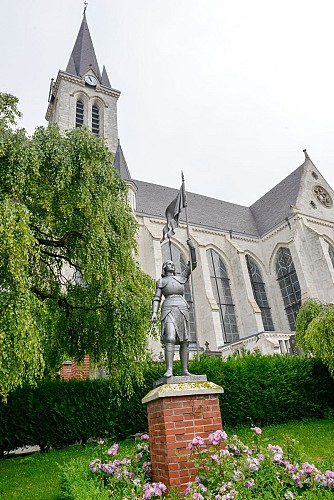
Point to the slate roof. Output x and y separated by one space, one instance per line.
105 79
152 200
83 56
275 206
266 213
120 163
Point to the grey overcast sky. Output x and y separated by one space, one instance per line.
230 92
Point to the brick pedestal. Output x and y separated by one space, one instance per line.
177 413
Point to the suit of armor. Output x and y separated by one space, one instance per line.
174 312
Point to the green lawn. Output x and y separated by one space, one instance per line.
316 438
37 476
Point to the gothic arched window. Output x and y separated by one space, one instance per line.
259 292
222 293
174 254
95 119
79 113
289 284
331 253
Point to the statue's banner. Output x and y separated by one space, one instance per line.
173 212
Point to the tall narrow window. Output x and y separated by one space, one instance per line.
259 292
79 113
180 264
331 253
289 284
222 292
95 119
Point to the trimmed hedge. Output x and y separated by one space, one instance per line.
258 389
265 390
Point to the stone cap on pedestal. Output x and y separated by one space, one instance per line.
179 380
182 389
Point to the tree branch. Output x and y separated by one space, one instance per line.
62 301
61 242
59 256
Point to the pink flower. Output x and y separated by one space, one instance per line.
217 437
215 458
197 441
113 449
188 489
257 430
224 453
290 467
308 468
145 437
94 465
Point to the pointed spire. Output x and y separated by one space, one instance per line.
120 163
83 55
105 79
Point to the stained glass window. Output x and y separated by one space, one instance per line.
222 293
176 256
259 292
289 284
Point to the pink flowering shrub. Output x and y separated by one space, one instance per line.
228 469
256 471
128 478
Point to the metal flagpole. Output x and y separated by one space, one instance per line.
170 248
191 263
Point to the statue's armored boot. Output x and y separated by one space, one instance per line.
169 356
184 357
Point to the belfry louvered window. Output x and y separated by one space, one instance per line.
289 284
95 119
331 253
174 254
259 292
222 293
79 113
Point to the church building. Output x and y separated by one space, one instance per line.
256 264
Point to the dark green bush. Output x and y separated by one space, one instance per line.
269 389
56 414
259 390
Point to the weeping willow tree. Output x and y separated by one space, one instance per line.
69 282
315 331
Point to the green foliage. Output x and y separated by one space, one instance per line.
265 390
254 471
237 470
37 476
122 478
8 111
70 283
76 486
315 331
260 390
56 414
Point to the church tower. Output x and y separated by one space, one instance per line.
82 95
